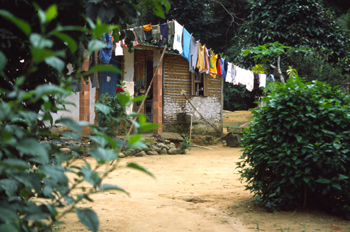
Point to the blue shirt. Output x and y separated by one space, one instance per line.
106 52
222 63
186 40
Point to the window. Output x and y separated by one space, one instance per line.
199 86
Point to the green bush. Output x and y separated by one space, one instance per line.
109 124
33 168
296 151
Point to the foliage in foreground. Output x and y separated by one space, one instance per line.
297 149
33 170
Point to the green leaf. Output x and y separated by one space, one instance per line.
142 119
299 138
103 108
102 67
103 28
21 24
89 218
138 167
51 13
72 45
45 90
90 176
102 154
55 62
342 177
41 15
16 164
70 123
139 98
123 98
307 170
39 42
107 187
100 140
148 126
3 61
306 179
71 135
55 172
95 45
336 185
33 147
135 139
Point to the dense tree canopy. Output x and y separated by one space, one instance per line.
213 22
293 23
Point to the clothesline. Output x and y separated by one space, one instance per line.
200 58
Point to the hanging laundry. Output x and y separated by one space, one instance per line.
234 72
222 64
171 29
218 66
200 61
106 52
250 81
118 49
140 34
132 37
225 66
210 60
229 73
240 76
193 54
213 71
156 32
262 80
164 34
271 78
186 44
135 41
148 31
177 44
207 63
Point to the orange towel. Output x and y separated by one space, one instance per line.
147 27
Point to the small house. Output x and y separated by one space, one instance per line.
176 98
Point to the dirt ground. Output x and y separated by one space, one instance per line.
199 191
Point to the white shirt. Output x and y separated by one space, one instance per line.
262 79
177 45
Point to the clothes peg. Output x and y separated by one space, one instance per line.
167 21
191 34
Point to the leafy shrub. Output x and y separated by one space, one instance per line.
185 144
33 168
109 124
297 149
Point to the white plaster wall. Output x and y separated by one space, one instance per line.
129 65
128 75
74 110
171 108
92 104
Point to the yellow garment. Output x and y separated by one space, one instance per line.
147 27
213 71
200 60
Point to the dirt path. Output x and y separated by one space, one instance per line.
199 191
